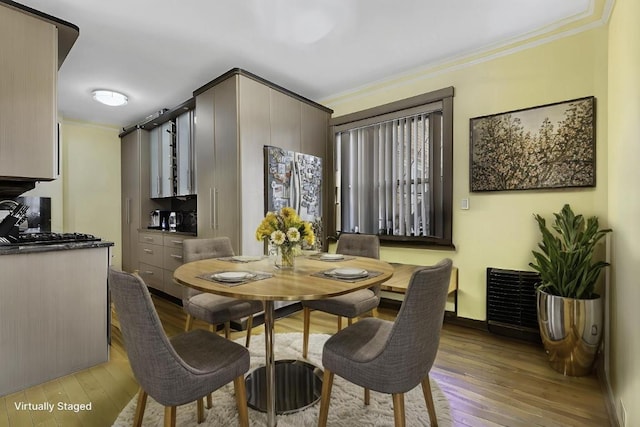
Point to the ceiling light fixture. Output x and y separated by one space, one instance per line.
109 97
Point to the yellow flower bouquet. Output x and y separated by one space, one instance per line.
286 231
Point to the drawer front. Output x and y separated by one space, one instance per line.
150 238
150 254
174 241
169 287
172 258
152 275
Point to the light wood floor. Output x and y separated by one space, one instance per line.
488 380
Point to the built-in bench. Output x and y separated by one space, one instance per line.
393 290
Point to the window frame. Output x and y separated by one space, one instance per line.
445 96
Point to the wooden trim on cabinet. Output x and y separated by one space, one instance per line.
245 73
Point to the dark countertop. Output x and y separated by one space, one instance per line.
28 249
167 232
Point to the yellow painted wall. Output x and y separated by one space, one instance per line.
499 230
624 206
91 182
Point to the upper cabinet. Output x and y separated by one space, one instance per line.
185 154
32 46
161 153
171 151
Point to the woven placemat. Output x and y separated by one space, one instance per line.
238 258
346 279
259 275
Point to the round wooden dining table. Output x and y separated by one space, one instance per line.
311 278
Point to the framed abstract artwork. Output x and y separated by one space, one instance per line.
549 146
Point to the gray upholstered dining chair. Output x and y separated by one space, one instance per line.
176 370
392 357
214 309
353 304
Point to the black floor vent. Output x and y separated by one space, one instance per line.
511 303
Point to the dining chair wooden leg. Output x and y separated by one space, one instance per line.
339 323
169 416
200 409
227 329
142 403
305 331
209 401
249 327
428 398
374 312
327 383
349 321
241 401
213 328
367 396
189 323
398 409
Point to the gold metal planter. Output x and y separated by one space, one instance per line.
571 331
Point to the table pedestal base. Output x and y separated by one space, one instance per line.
298 385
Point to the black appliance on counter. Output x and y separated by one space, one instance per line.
183 221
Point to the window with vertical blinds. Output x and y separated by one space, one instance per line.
393 173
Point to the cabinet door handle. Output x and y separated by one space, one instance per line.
150 239
128 210
149 251
213 214
176 256
176 242
148 273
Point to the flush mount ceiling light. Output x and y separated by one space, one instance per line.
109 97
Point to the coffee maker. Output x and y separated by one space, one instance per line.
159 219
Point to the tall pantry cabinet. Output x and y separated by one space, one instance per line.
237 114
136 202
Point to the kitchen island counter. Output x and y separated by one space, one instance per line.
54 317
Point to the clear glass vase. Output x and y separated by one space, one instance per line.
285 258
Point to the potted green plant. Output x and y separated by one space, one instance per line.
570 312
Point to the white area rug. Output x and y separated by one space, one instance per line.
347 408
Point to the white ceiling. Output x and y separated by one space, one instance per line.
158 51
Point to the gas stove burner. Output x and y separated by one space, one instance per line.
50 238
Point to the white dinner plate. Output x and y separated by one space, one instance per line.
233 276
246 258
331 256
350 273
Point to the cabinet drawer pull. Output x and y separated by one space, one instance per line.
149 251
148 273
177 242
176 256
148 238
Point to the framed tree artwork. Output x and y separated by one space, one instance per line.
549 146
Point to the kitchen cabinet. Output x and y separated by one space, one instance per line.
136 203
237 115
160 253
32 47
185 155
162 160
28 111
172 157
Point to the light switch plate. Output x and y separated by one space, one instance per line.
464 204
